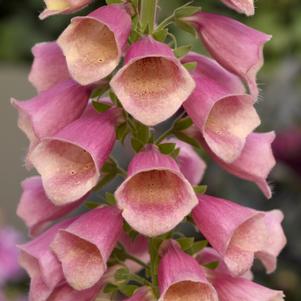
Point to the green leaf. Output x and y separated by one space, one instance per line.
183 124
160 35
136 144
104 181
187 139
110 288
113 1
109 167
110 198
187 11
187 27
100 106
167 148
128 289
122 274
175 153
186 242
200 189
182 50
142 132
197 247
122 131
190 66
212 265
91 204
99 91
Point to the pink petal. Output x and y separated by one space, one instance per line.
84 247
93 44
219 107
49 66
156 196
182 278
233 289
70 161
238 235
191 164
50 111
153 84
234 45
55 7
9 266
276 240
41 264
241 6
36 210
255 161
137 247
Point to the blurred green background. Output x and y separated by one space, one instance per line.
279 107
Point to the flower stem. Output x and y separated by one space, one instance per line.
148 15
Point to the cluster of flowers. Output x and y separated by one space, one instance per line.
72 129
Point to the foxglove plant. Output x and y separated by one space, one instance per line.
113 76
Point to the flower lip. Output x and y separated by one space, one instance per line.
102 51
152 85
62 171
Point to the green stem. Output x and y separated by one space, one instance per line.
170 130
140 280
137 260
148 15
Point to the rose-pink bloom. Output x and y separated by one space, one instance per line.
156 196
191 164
137 247
241 6
93 44
231 288
36 210
241 233
55 7
142 294
220 109
84 247
234 45
182 278
9 267
70 161
51 110
255 161
41 264
152 85
49 66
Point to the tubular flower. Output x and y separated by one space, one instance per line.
241 233
49 66
41 264
153 84
70 161
255 161
93 44
234 45
182 278
50 111
156 196
231 288
220 109
55 7
190 163
241 6
84 247
36 210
